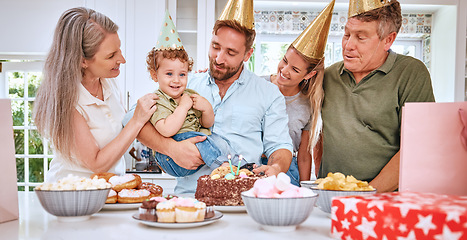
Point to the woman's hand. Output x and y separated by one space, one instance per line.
145 107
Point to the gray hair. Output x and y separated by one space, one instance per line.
78 35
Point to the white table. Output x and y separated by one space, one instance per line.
35 223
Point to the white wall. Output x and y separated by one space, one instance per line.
443 46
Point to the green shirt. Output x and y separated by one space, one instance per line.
361 122
166 105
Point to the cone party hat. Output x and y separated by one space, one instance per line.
168 36
360 6
239 10
312 41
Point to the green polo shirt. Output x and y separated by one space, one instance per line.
361 122
166 105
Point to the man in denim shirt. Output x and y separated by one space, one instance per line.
249 111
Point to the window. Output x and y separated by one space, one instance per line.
270 48
33 154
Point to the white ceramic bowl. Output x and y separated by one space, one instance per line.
279 214
325 196
72 205
308 184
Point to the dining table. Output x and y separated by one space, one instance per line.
35 223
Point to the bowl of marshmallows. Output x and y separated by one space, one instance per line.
277 205
73 198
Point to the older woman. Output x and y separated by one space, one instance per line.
78 106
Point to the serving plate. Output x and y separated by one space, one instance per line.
230 208
121 206
217 215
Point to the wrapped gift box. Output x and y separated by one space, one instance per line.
406 215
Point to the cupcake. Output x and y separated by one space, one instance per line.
165 211
185 210
201 209
147 211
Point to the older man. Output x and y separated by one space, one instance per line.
249 111
364 96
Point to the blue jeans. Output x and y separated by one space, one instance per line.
292 172
213 150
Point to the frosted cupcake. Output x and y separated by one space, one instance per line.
185 210
201 209
166 211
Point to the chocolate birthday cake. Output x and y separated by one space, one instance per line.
222 188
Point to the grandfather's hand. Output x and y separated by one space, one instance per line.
268 170
186 154
145 107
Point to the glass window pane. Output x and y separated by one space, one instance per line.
272 53
21 189
35 143
20 169
19 141
50 149
36 170
16 84
17 110
34 79
30 110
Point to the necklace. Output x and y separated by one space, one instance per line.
96 95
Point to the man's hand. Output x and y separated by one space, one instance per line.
268 170
186 154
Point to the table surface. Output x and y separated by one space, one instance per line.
35 223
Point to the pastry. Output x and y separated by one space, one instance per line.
165 211
147 211
105 175
127 181
155 190
112 197
133 195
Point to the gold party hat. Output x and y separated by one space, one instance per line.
239 10
360 6
312 41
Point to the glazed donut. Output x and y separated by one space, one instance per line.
105 175
133 195
127 181
112 197
155 190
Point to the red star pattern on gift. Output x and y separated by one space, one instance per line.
399 216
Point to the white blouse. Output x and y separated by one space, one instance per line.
104 119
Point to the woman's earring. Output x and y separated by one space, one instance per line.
305 81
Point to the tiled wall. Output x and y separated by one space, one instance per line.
414 25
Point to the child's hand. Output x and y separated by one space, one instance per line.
200 103
185 101
201 70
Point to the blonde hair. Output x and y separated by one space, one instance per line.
313 89
78 34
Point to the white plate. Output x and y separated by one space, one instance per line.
121 206
230 208
217 215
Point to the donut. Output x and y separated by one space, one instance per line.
133 195
127 181
105 175
156 190
112 197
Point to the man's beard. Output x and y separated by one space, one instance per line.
220 76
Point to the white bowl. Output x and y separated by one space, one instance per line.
279 214
72 205
325 196
308 183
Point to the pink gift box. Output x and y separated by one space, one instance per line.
406 215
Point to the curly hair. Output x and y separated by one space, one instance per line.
155 55
389 18
250 34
